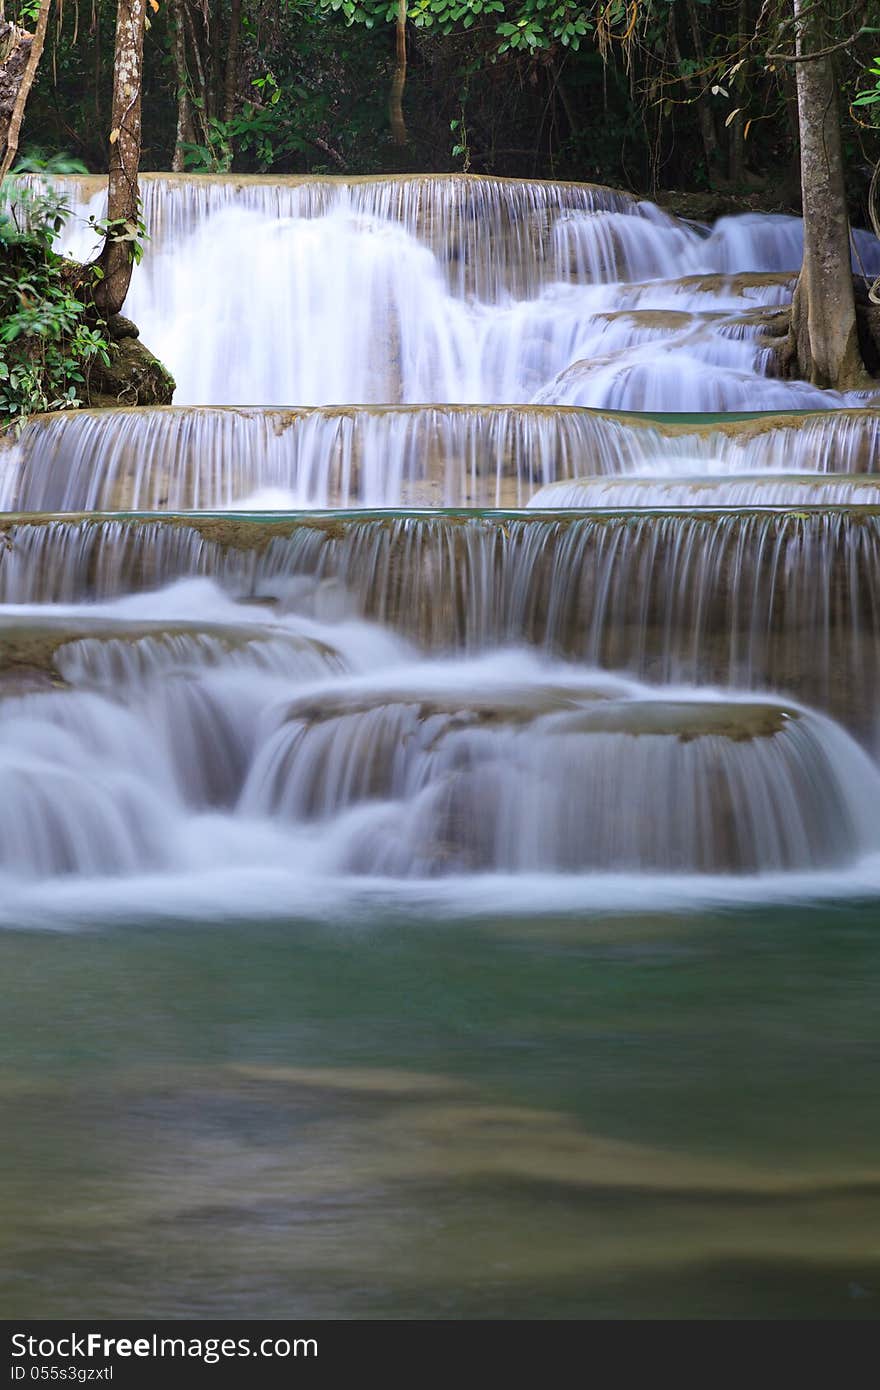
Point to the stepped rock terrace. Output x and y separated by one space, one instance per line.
766 599
180 458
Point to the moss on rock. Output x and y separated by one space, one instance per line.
135 376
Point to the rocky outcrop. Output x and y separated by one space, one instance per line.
708 205
134 377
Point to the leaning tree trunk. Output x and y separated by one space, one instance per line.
20 54
824 333
123 200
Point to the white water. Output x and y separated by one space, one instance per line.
183 459
200 748
511 713
454 290
756 490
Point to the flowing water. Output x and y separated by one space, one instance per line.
439 850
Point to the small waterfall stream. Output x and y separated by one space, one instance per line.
407 594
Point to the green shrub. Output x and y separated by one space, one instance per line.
48 340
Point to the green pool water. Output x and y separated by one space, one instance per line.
609 1117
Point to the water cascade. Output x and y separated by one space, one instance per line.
780 600
455 289
134 745
270 647
183 459
756 490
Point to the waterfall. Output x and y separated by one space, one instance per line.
331 759
777 600
491 235
439 574
760 490
455 289
777 243
183 459
546 782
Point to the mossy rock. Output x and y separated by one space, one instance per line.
135 376
119 327
709 204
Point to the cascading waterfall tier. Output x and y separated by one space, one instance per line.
776 600
549 779
658 657
184 459
757 490
470 220
458 289
277 746
492 235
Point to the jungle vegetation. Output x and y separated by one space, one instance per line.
770 103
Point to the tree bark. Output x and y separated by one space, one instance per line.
705 116
20 55
398 82
203 101
185 132
123 200
737 132
230 90
824 330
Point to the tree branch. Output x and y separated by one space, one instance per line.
819 53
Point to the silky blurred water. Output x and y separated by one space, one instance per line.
432 914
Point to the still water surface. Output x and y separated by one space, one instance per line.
503 1117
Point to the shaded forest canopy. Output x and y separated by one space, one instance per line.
765 104
647 95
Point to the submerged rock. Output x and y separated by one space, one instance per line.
543 782
42 653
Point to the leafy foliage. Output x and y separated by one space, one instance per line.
47 344
525 25
643 93
871 96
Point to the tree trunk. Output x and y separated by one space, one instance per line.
20 54
185 132
825 336
705 116
202 101
123 201
230 91
737 133
395 101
